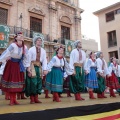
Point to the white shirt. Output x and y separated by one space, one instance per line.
74 58
32 57
105 71
118 71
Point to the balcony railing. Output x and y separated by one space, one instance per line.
61 41
26 32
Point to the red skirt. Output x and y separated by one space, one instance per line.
13 79
112 82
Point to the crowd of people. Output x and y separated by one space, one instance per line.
26 72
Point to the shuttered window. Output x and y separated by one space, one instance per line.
36 24
3 16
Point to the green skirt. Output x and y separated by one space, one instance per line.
101 85
33 86
54 80
77 83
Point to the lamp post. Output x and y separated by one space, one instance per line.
21 20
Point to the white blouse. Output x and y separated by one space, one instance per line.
74 58
56 62
13 51
90 64
112 67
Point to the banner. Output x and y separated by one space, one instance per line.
39 34
4 36
109 111
68 47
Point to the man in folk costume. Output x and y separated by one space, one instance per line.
38 61
13 75
77 60
102 73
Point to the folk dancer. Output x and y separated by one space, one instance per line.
112 81
77 61
57 67
38 65
13 75
102 72
91 81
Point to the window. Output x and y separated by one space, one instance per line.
110 16
113 54
36 24
112 40
3 16
117 11
65 33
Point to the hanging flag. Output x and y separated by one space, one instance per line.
68 47
4 36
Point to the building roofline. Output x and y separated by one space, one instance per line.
106 8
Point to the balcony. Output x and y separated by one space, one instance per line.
27 33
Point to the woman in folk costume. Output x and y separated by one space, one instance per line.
57 68
102 72
112 81
38 62
13 75
77 61
91 81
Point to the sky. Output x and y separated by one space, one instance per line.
89 23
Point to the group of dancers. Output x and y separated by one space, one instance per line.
27 71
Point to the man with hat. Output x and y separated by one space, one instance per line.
102 72
38 62
77 60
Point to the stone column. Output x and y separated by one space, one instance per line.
77 25
52 20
